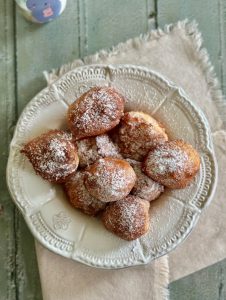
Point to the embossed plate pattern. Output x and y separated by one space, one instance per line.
72 234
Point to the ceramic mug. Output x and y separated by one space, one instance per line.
41 11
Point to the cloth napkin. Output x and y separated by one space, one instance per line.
64 279
177 53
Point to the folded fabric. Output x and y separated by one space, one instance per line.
177 53
62 278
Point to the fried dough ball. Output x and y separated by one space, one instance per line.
53 155
93 148
173 164
127 218
144 188
110 179
138 133
79 197
95 112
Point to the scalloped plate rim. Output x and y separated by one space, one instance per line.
198 212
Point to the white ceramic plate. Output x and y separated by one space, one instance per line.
72 234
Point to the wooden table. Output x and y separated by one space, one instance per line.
86 26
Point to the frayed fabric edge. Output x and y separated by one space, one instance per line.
190 28
161 279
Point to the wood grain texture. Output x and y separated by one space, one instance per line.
110 22
38 48
222 21
43 47
7 120
206 13
85 27
210 283
207 284
151 6
27 275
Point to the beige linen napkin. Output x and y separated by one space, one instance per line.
207 243
64 279
175 52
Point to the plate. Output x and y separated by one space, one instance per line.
67 231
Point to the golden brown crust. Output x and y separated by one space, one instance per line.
110 179
53 155
128 218
173 164
95 112
138 133
79 197
93 148
145 187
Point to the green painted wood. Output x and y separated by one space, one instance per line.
207 284
39 48
27 276
7 119
222 19
109 22
43 47
151 7
84 28
206 13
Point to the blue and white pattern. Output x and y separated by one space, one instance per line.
42 11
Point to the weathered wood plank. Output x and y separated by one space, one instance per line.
43 47
222 20
207 284
110 22
39 48
27 276
206 13
7 119
98 25
151 7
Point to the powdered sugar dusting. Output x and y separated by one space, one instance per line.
166 160
111 180
79 197
128 218
145 188
173 164
87 151
52 155
106 148
99 108
93 148
54 159
65 135
93 104
137 136
57 150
